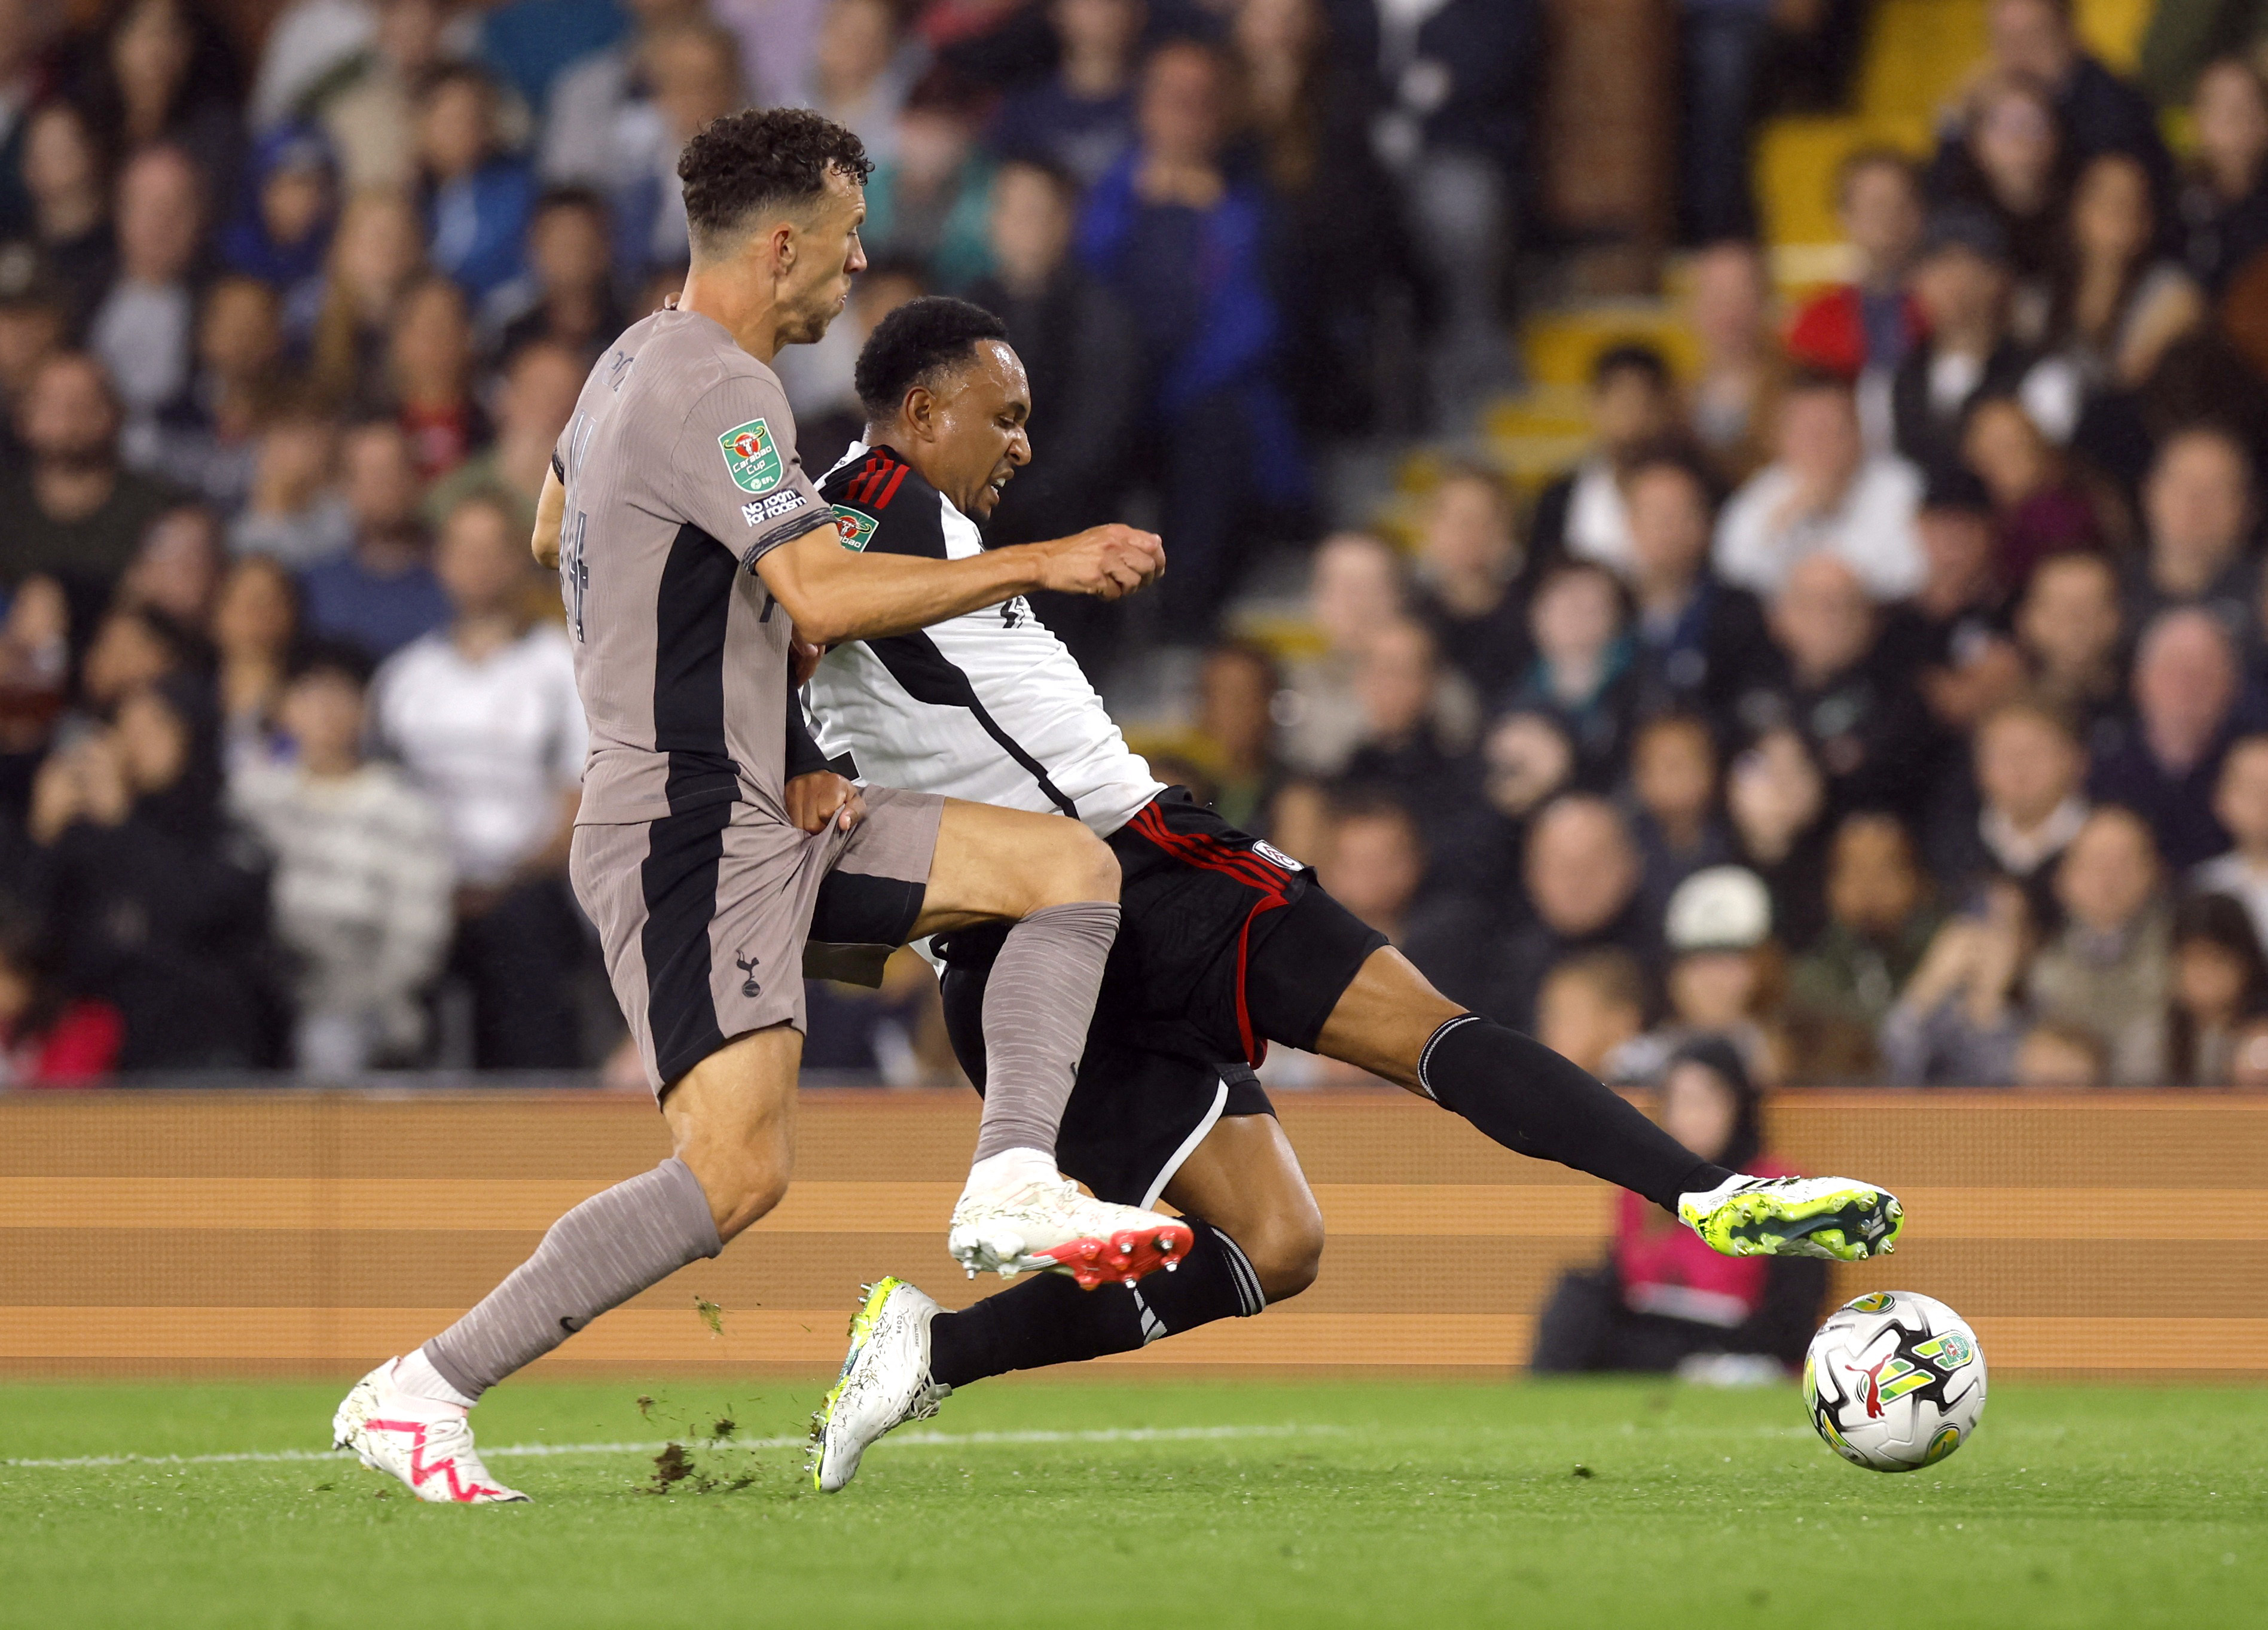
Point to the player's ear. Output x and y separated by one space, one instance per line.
780 243
919 412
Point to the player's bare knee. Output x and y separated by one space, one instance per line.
1287 1253
1079 867
744 1192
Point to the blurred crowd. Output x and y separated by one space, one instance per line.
1887 696
1884 693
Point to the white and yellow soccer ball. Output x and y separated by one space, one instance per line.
1894 1381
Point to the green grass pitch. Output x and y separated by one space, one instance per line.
1621 1504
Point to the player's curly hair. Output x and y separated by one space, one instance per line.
762 157
913 343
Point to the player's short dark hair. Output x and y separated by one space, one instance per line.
763 158
1678 454
914 344
1631 356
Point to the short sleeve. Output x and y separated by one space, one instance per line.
736 474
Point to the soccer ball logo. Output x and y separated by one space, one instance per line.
1894 1381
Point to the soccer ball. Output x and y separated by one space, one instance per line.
1894 1381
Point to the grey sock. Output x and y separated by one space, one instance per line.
597 1257
1037 1005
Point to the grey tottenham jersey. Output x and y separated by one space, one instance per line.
680 471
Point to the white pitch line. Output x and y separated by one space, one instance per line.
1114 1435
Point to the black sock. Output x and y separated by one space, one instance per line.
1050 1320
1529 1098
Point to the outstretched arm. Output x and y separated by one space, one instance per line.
834 593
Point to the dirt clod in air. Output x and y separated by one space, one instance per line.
672 1467
1582 1470
711 1315
645 1405
725 1427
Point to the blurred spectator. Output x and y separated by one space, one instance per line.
1858 712
2118 302
1823 492
1341 252
1880 922
382 593
1581 678
689 72
1961 1017
1674 787
35 673
1663 1299
33 319
1724 42
145 328
2186 691
2008 156
1632 406
484 717
1953 631
163 71
861 71
72 512
2070 630
535 397
368 107
477 197
1719 980
928 203
1736 395
2198 519
2220 983
2099 111
256 624
530 42
583 126
66 169
133 647
1468 559
1961 282
2038 510
292 512
567 295
378 250
1867 325
361 886
1080 353
1701 642
282 228
1582 874
2061 1058
309 40
1777 799
23 37
2108 969
2224 203
1455 90
1184 243
48 1037
1591 1005
1081 118
207 438
1526 760
2026 803
1235 736
1354 589
2240 803
1414 739
178 569
1374 863
156 905
430 366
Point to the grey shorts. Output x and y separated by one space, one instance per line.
709 917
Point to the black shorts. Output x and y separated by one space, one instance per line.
1224 945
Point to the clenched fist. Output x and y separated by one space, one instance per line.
1105 562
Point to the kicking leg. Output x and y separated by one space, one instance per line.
1058 883
1259 1238
732 1119
1392 1024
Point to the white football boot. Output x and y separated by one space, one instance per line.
884 1381
427 1445
1833 1218
1019 1214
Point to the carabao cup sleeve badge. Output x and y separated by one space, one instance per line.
856 527
750 457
